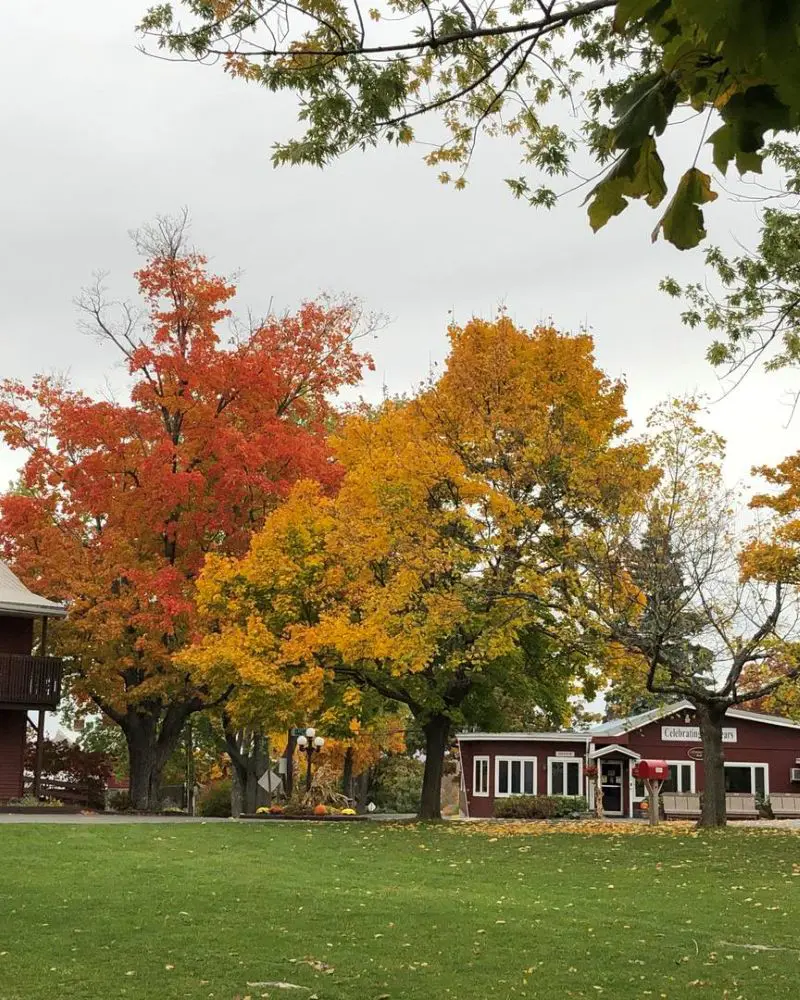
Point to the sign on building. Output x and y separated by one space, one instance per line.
691 734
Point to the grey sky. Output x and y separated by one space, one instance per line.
99 138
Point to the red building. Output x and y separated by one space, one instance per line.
29 679
762 756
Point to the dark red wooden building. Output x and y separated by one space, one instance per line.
762 756
30 680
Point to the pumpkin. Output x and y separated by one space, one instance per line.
320 810
276 810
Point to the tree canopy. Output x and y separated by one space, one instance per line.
446 559
600 79
121 501
702 614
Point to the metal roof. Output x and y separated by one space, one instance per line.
16 599
574 737
617 727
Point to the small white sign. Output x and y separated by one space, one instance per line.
691 734
270 781
565 753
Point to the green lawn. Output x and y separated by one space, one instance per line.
216 911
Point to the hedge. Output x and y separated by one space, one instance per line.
539 806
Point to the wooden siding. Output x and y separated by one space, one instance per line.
12 750
16 635
30 681
483 805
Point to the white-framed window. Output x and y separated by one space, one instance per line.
480 776
564 776
514 776
681 779
752 779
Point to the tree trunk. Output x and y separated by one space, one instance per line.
288 753
347 774
145 766
437 732
362 786
246 749
713 811
152 737
237 793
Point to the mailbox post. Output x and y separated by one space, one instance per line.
653 773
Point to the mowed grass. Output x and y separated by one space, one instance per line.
219 910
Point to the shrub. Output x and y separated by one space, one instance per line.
397 784
30 801
539 806
119 801
764 807
67 762
215 799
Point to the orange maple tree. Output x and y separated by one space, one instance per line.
120 501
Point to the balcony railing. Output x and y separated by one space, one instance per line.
30 681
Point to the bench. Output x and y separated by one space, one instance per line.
681 805
785 806
740 805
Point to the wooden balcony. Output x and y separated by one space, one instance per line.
29 681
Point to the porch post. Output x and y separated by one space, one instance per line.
598 790
37 769
631 788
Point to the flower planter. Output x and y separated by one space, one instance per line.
41 810
311 818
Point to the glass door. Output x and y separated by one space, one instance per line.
611 781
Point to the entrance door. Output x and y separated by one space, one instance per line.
611 781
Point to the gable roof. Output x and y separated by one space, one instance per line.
614 748
618 727
16 599
562 737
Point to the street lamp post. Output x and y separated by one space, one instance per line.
309 744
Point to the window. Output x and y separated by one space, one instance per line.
681 779
751 779
515 776
480 776
564 776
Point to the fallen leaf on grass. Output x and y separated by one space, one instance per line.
279 985
315 964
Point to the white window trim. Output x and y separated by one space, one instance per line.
564 760
752 765
673 763
523 760
475 762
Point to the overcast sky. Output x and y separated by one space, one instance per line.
98 139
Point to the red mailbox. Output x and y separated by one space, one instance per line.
654 770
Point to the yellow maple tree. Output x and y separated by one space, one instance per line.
454 531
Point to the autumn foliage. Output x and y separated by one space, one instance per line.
120 502
453 531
